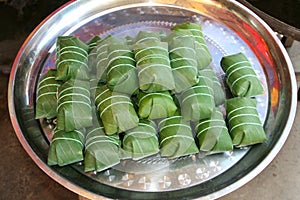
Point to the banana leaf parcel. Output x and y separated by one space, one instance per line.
213 135
155 105
197 102
203 55
183 59
153 65
74 105
92 55
101 150
71 58
213 82
176 138
121 71
116 110
92 43
240 76
144 36
141 141
46 101
102 55
245 126
66 147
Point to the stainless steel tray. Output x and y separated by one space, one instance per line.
228 27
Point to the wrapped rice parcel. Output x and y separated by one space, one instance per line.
183 59
156 105
46 101
213 82
102 55
213 135
92 63
116 110
240 76
176 138
245 126
153 65
92 43
144 36
101 150
197 102
141 141
121 71
92 56
74 105
202 52
71 58
66 147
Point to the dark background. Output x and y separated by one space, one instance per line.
287 11
17 19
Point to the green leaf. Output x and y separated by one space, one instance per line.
102 55
66 147
214 83
142 140
155 105
213 135
240 76
92 43
245 126
144 36
197 102
176 138
71 58
74 105
203 55
46 101
101 150
116 110
183 59
122 73
153 64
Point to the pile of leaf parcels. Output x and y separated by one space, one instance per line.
154 94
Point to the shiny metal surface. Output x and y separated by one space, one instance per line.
228 27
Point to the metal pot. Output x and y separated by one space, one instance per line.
228 26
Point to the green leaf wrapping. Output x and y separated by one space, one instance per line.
203 55
155 105
92 57
92 43
197 102
176 138
92 63
102 55
74 105
183 59
153 64
144 36
46 101
213 82
240 76
101 150
141 141
71 58
116 110
213 135
94 84
245 126
121 74
66 147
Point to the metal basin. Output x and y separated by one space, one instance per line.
228 26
